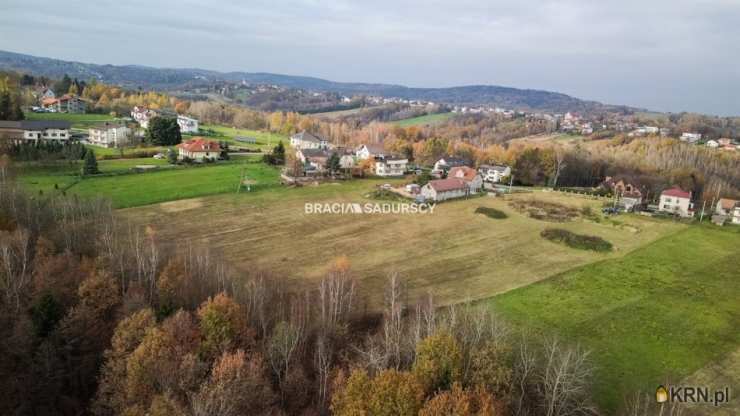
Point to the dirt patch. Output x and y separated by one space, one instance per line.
183 205
544 210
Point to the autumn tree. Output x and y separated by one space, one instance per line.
438 362
237 386
389 393
223 325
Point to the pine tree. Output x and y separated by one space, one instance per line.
90 165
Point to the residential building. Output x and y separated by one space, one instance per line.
346 157
391 166
444 189
726 206
199 149
494 173
306 140
630 200
110 134
370 151
187 124
676 201
45 93
690 137
314 159
468 175
712 143
448 162
68 103
142 115
35 130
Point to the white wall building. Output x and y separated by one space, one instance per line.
306 140
199 149
391 166
676 201
187 124
110 135
494 173
35 130
443 189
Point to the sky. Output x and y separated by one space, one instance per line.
664 55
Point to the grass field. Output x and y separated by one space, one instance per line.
651 317
265 140
79 121
134 189
424 120
454 252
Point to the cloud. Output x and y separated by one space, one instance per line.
663 54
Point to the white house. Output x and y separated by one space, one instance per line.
494 173
199 149
690 137
447 163
306 140
370 151
142 115
110 134
35 130
629 200
391 166
443 189
187 124
468 175
346 157
676 201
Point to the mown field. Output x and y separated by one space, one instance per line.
454 253
79 121
127 189
424 120
264 140
652 317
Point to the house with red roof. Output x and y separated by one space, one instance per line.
199 149
68 103
444 189
676 201
469 175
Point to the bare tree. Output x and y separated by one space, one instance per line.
336 294
565 380
559 164
393 328
15 265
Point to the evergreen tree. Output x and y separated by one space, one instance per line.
63 85
163 131
172 156
333 164
90 165
278 153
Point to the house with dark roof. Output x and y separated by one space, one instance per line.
199 149
370 151
676 201
444 189
448 162
306 140
35 130
313 159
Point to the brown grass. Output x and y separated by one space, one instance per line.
454 253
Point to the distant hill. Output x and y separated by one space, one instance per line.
135 76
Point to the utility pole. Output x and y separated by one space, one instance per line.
511 182
701 217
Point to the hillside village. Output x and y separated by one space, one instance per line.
353 208
449 177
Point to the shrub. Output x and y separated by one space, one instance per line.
579 241
491 212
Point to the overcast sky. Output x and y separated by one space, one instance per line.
669 55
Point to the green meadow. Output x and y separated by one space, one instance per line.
652 317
